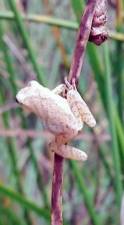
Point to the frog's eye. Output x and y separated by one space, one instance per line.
29 84
32 83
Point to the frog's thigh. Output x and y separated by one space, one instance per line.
72 101
70 152
60 89
80 108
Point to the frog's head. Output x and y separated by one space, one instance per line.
25 97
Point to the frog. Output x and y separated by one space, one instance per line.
63 112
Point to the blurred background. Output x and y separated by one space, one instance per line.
37 40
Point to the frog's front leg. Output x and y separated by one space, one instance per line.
80 108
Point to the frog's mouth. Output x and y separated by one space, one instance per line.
16 99
26 108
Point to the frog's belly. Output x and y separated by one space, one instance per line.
56 114
58 118
58 125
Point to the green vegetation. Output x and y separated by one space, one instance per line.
37 45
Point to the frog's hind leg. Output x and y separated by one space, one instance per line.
80 108
69 152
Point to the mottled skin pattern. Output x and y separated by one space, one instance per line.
62 117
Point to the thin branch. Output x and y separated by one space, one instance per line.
75 70
33 18
88 22
56 201
58 22
82 39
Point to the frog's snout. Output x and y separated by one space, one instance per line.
16 99
20 97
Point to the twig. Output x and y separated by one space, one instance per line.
57 22
46 19
56 201
75 70
82 39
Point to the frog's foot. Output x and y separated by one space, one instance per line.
68 152
59 90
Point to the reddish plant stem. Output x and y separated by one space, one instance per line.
75 70
56 201
82 39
